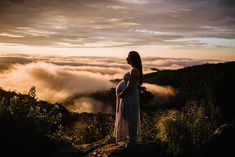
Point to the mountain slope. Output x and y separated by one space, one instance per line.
210 83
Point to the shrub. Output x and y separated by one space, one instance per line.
185 131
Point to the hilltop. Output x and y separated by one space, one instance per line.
198 119
211 83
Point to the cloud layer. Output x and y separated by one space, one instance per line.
70 80
53 83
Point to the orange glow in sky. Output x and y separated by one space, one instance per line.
163 28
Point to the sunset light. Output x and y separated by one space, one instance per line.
117 78
163 28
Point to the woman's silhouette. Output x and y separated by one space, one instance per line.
127 118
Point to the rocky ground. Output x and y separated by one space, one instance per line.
221 143
112 149
119 150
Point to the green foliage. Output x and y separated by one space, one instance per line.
32 92
26 125
185 131
90 127
41 128
148 121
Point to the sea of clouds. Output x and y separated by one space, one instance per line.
61 78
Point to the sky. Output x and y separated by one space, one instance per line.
202 29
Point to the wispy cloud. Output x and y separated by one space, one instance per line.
160 90
162 94
106 23
88 104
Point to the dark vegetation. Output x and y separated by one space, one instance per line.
184 126
211 84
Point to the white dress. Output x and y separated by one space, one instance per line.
127 116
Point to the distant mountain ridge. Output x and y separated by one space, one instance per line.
212 83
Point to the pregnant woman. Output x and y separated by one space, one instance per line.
127 118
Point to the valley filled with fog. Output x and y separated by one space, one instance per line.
71 80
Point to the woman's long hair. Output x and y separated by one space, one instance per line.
137 63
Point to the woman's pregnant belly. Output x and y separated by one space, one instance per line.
120 87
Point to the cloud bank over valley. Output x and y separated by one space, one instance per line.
61 79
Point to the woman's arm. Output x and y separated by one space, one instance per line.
130 83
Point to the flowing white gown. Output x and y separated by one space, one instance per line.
127 116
